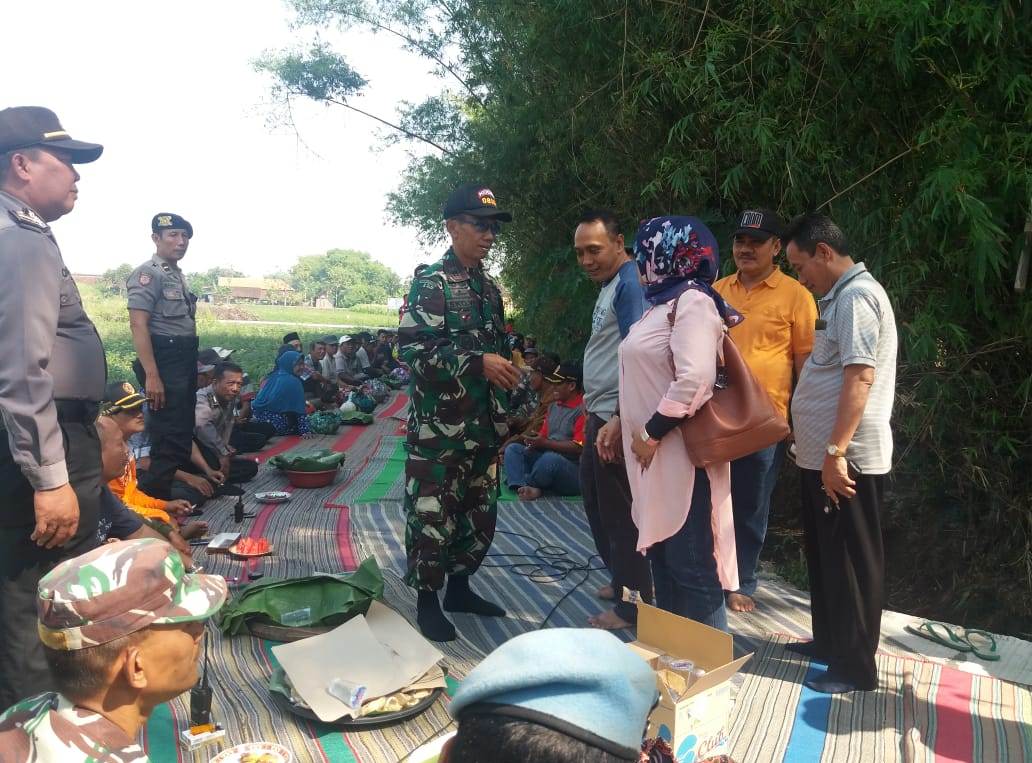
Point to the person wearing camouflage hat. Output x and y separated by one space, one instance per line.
121 628
452 336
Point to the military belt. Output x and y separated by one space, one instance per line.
189 341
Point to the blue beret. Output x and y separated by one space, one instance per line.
168 221
581 682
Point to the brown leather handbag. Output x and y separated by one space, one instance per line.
738 420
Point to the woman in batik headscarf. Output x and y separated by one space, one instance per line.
668 365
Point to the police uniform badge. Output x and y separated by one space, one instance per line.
144 279
26 218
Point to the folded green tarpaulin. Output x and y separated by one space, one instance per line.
313 461
321 599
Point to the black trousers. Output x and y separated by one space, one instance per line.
845 561
23 670
171 428
240 469
251 436
607 502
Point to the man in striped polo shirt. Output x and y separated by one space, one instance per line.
840 415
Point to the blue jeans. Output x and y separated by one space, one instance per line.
752 482
542 469
683 568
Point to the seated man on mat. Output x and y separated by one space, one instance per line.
117 647
549 460
117 521
123 411
563 695
214 422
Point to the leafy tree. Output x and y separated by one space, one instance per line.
113 281
347 277
906 121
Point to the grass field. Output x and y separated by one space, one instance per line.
255 344
370 316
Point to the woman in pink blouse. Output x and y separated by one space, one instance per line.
668 366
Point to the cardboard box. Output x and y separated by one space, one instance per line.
694 723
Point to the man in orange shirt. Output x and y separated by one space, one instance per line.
125 407
775 339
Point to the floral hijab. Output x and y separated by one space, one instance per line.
677 253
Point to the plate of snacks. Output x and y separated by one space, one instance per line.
273 496
251 547
254 752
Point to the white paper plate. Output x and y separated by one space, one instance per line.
277 753
273 496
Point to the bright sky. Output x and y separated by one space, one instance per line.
169 89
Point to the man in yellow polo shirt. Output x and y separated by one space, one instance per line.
775 339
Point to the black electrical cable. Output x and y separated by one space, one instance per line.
547 564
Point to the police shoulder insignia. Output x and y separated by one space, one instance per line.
26 218
144 279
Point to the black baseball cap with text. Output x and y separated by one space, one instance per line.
760 223
474 199
34 126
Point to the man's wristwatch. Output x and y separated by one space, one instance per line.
645 438
835 451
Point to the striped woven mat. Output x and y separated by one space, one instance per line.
924 712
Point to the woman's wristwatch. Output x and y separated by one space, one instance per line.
647 438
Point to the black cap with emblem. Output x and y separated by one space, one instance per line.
474 199
760 223
34 126
168 221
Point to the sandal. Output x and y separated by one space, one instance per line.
946 637
983 646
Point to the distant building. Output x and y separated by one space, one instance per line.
85 278
323 302
256 289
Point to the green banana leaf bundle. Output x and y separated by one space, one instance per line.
321 599
321 460
355 417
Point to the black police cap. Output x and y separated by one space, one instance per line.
474 199
168 221
34 126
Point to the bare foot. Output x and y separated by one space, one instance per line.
528 493
739 602
606 592
194 530
609 621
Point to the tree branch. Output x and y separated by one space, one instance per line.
875 171
393 126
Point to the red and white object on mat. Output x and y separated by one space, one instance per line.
254 752
251 547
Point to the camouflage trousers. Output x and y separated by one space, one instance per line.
451 504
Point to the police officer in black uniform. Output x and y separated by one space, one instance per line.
52 378
162 314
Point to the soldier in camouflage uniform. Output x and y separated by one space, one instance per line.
452 337
97 610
